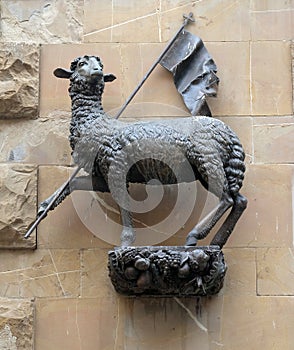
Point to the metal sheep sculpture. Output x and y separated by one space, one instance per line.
116 153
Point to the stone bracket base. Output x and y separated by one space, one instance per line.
167 271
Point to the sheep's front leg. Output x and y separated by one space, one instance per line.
128 233
43 206
82 183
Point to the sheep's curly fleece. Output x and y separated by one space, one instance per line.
99 141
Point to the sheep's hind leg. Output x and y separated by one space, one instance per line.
221 237
203 228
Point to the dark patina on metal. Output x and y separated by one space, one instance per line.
181 150
115 154
167 271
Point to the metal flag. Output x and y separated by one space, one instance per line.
194 72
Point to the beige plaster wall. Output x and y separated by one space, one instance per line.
59 295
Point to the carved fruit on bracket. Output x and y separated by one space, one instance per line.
167 270
142 264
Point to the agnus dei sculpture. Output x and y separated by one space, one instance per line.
115 154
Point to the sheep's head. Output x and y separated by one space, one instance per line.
87 68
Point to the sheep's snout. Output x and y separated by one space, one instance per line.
94 75
96 72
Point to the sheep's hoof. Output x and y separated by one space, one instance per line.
127 237
42 208
191 241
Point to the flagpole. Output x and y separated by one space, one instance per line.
187 18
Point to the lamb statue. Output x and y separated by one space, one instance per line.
115 154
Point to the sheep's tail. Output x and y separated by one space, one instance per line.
235 167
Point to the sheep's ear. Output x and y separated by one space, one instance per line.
62 73
109 77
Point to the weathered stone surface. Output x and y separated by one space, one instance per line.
41 141
170 323
16 324
40 273
94 279
42 21
18 199
77 324
19 80
241 274
234 72
273 141
262 323
267 221
121 21
272 25
292 54
275 269
271 82
173 323
213 18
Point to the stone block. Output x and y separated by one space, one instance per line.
95 282
42 273
18 198
292 54
215 20
271 5
19 75
241 274
233 62
272 24
98 20
273 141
275 120
121 21
271 83
275 269
262 322
76 324
267 221
169 323
16 324
139 25
42 21
41 141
